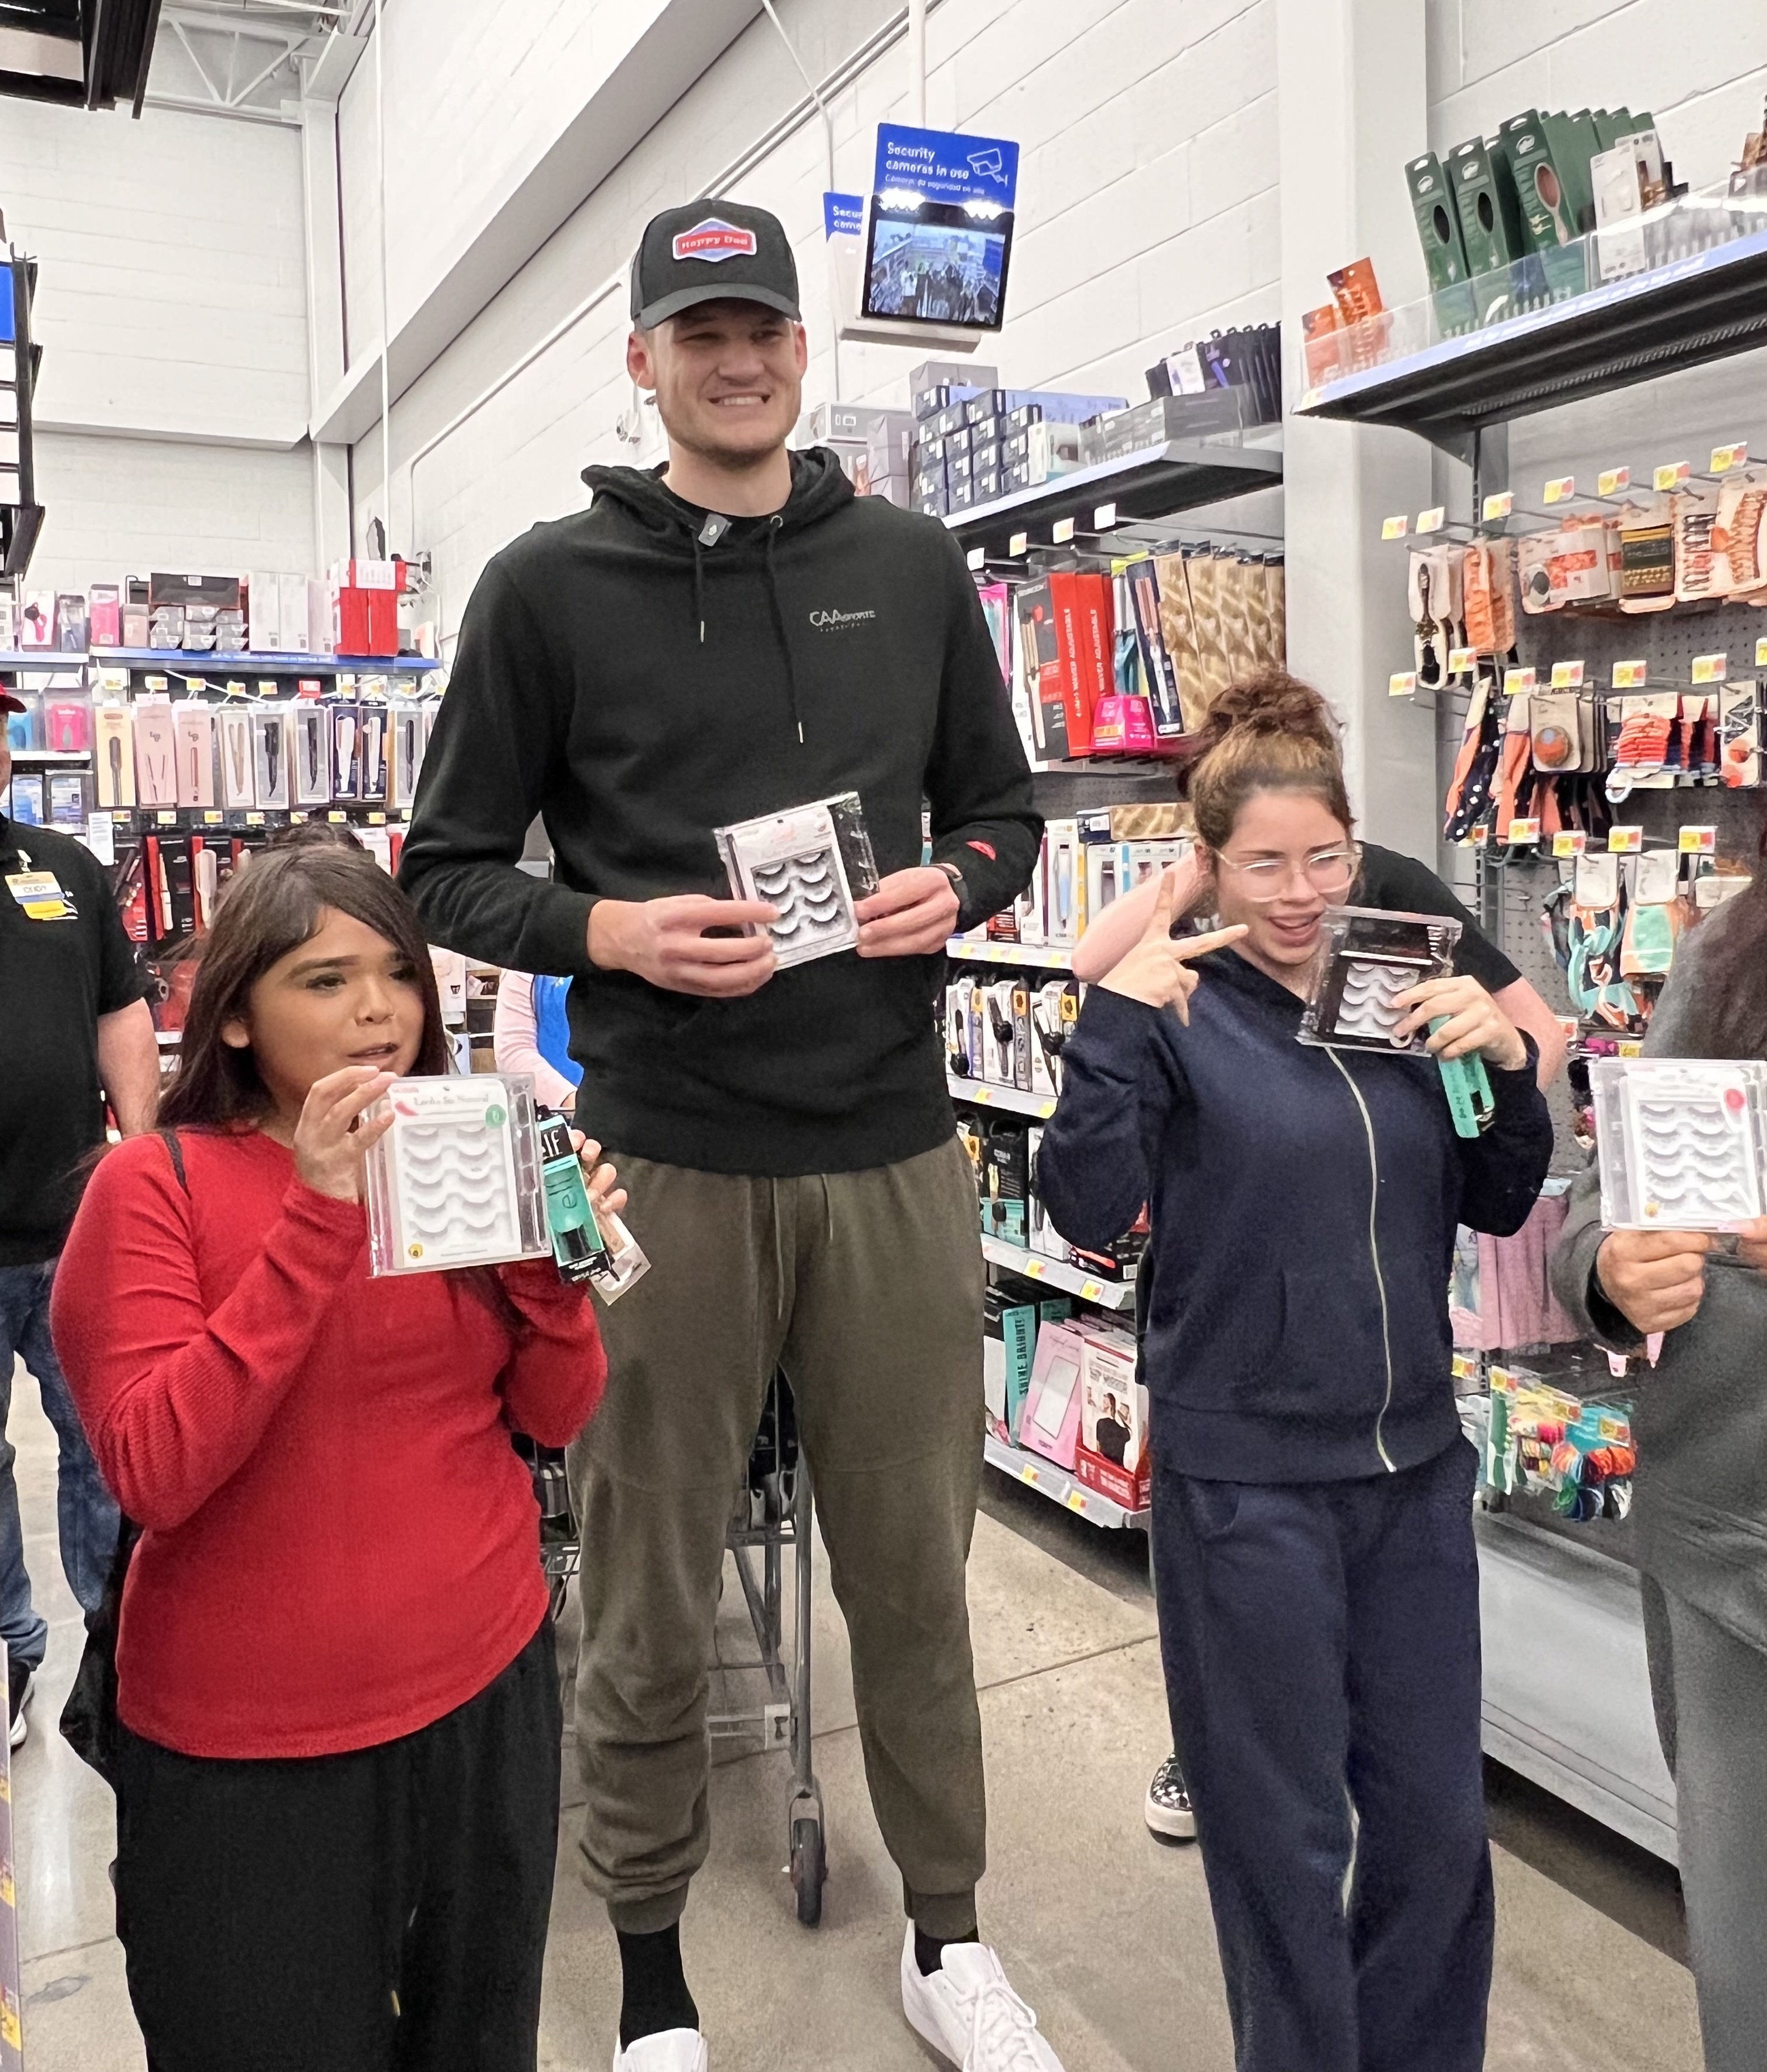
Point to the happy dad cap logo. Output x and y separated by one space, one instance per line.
715 240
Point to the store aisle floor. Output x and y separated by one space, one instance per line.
1104 1930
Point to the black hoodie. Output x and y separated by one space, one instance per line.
638 683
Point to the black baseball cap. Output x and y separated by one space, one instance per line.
712 251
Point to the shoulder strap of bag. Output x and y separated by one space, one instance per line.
175 1151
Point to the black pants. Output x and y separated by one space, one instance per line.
381 1911
1321 1644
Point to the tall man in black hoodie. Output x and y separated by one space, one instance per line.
733 634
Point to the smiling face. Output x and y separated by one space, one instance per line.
1289 857
345 997
728 377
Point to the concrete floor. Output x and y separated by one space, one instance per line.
1105 1931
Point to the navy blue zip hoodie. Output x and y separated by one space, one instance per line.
1304 1208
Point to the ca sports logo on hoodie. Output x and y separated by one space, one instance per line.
715 240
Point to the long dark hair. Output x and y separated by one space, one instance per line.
1733 972
272 907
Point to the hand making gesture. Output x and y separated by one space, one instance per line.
1157 970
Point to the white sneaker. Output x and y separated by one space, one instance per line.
20 1694
669 2050
969 2013
1168 1809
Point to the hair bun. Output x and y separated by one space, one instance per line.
1269 702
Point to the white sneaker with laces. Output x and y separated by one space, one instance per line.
669 2050
970 2014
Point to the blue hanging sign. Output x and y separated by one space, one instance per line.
945 166
843 215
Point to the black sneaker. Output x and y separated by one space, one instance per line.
1167 1808
20 1683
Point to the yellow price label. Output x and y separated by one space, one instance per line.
1612 479
1481 835
1522 831
1710 668
1017 545
1630 676
1396 526
1498 506
1625 841
167 820
1309 397
1632 1048
1671 475
1760 654
1515 681
1091 1290
1029 1475
1033 1268
1062 531
254 820
1567 675
1698 841
1401 683
211 819
1464 1367
1433 520
1463 661
1569 841
1724 458
1561 489
1076 1499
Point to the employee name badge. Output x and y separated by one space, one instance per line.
40 894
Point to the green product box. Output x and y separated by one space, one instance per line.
1438 232
1611 124
1547 204
1575 140
1490 219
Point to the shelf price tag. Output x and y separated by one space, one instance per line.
1027 1474
1567 675
1561 489
212 820
254 820
1062 531
1515 681
1670 474
1433 520
1498 506
167 820
376 820
1402 683
1631 1047
1625 841
1724 458
1017 545
1710 668
1699 842
1033 1269
978 557
1481 835
1630 676
1463 661
1572 1028
1104 517
1611 480
1760 654
1521 831
1076 1499
1396 526
1464 1367
1091 1290
1570 841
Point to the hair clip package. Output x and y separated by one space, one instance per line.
458 1180
1369 957
811 862
1682 1142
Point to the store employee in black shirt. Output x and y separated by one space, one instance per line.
78 1032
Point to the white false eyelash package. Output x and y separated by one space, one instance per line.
1368 958
812 862
457 1180
1682 1142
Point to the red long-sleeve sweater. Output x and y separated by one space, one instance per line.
339 1544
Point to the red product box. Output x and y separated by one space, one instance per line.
1047 674
1123 726
1085 638
1134 1492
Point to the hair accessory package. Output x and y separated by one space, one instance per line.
811 862
1682 1142
1369 957
458 1180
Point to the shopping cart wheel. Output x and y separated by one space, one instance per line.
809 1867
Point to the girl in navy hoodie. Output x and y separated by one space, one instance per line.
1313 1548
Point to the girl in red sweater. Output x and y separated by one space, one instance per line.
338 1752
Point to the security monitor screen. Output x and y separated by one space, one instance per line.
937 262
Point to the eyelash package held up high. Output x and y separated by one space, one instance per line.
812 862
1368 957
457 1181
1682 1142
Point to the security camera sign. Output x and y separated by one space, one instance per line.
946 166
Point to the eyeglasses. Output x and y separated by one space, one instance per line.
1328 872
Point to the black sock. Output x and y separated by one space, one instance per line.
655 1994
929 1950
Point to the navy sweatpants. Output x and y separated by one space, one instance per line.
1321 1647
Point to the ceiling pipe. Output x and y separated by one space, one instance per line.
917 62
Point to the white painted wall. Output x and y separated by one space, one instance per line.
126 506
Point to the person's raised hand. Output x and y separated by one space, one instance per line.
912 913
667 942
1474 1022
1157 970
330 1141
1656 1279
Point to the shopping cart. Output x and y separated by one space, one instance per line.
775 1510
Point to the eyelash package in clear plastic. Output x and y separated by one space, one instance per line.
457 1181
1368 957
1682 1142
811 862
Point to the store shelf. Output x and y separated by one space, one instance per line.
1059 958
1156 484
49 758
1058 1485
177 661
1071 1279
1041 1106
1704 307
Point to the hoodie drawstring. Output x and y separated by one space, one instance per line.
699 588
774 525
